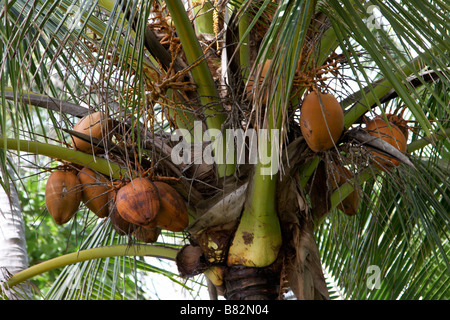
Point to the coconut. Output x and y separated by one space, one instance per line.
147 235
95 125
62 195
138 202
94 192
190 261
321 121
173 214
401 123
350 204
122 226
389 133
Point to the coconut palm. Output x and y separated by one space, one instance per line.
176 81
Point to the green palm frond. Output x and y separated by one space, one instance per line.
400 229
110 278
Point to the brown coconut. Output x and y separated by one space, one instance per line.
138 202
122 226
173 214
94 191
401 123
62 195
95 125
321 121
389 133
147 235
350 204
190 261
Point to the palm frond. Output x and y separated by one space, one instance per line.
110 278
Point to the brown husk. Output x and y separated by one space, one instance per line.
173 214
94 192
147 235
138 202
62 195
190 261
391 134
122 226
95 125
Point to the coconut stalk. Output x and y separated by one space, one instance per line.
244 46
206 88
101 165
91 254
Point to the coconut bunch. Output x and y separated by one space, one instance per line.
322 127
139 206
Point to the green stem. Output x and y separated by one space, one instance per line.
347 188
307 170
206 88
77 157
90 254
244 48
204 21
421 143
258 238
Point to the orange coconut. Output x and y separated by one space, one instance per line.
94 192
62 195
389 133
173 214
401 123
321 121
122 226
138 202
95 125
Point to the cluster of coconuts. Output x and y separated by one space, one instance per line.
66 190
141 207
322 124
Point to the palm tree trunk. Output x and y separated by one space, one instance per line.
248 283
13 251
